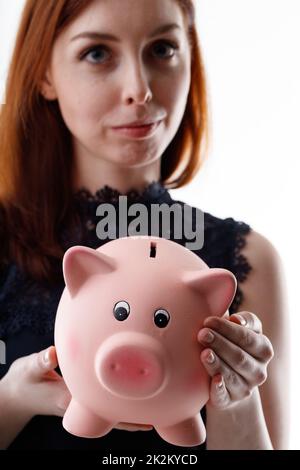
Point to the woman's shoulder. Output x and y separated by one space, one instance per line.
249 254
268 270
253 259
259 247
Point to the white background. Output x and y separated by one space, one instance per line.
251 52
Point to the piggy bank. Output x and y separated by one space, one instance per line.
126 336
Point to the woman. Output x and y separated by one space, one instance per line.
69 86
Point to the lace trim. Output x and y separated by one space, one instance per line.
109 194
240 266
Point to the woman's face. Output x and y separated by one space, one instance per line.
101 83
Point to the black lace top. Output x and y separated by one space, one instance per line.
28 308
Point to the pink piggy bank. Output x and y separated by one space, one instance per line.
126 336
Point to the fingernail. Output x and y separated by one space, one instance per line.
219 384
210 358
208 337
47 357
241 320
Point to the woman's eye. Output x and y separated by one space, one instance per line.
95 54
162 46
99 54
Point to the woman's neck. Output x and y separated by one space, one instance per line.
94 175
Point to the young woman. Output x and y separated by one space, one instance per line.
80 69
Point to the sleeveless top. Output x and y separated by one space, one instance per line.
28 308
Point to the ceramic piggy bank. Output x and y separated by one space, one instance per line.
126 336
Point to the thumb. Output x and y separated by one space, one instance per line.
44 361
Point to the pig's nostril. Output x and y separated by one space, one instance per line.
116 367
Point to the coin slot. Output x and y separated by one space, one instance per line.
153 250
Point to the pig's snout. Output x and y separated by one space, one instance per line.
131 366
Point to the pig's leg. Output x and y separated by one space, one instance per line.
81 422
190 432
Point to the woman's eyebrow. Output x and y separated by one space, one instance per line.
95 35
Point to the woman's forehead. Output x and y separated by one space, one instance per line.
143 16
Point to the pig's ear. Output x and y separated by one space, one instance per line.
81 262
217 285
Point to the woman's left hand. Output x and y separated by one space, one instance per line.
240 355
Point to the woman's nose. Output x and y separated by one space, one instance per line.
136 85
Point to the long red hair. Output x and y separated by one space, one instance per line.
36 150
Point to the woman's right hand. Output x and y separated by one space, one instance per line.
34 387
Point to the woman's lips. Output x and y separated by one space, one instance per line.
137 131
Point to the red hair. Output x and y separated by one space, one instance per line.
36 147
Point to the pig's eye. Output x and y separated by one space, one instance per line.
121 310
161 318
